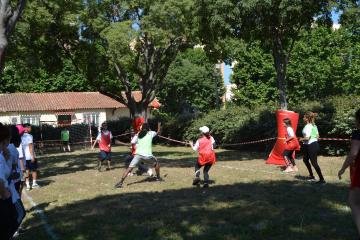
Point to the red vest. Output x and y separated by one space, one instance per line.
104 142
293 144
355 172
206 153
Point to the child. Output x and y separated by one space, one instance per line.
142 168
205 146
292 145
29 155
65 136
104 138
143 143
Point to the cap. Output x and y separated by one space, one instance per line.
204 129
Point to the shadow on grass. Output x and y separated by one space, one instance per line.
269 210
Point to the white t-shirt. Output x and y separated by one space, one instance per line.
105 133
197 144
290 132
26 140
5 172
307 133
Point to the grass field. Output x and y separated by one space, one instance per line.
248 200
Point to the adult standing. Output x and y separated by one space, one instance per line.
353 160
27 142
311 146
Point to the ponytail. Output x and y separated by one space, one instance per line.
311 116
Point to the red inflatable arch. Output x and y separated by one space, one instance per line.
276 155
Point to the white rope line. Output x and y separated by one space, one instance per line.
48 228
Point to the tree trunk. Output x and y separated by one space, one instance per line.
280 62
3 45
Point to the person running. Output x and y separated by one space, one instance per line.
29 155
292 145
65 137
205 146
353 161
311 146
104 139
143 143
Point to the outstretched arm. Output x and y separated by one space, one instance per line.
355 147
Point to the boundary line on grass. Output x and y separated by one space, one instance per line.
249 169
48 228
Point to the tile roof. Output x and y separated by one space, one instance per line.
59 101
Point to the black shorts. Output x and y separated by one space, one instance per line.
65 143
104 155
32 166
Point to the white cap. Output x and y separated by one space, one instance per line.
204 129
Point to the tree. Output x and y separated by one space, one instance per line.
10 13
140 40
276 23
45 52
189 86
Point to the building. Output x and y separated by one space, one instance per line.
63 108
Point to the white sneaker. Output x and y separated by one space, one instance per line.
35 185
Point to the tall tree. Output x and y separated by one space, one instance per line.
276 23
140 40
10 13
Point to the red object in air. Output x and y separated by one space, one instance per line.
276 155
155 104
137 123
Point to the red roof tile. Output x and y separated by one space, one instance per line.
59 101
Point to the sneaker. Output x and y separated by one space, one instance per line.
130 174
311 179
35 185
119 185
288 170
196 181
159 179
321 182
206 185
27 188
16 234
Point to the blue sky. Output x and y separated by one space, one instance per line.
228 70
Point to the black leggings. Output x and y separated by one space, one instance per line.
206 171
310 152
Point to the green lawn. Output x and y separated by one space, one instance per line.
249 200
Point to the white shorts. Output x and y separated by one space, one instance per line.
137 158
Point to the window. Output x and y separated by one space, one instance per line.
92 118
31 119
